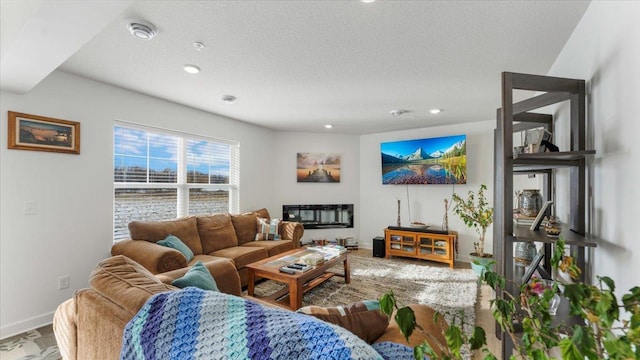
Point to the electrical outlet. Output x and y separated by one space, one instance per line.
30 208
63 282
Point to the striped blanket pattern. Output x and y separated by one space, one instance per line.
198 324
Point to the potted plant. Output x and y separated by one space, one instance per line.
477 214
610 328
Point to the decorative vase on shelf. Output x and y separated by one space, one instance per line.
530 202
554 304
540 287
524 253
552 227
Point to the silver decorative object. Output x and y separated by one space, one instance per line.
445 218
530 202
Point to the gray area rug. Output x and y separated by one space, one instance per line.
412 281
452 292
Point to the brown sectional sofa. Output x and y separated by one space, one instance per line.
210 237
90 325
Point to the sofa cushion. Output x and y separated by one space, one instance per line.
263 213
125 282
174 242
216 232
243 255
245 226
274 247
186 229
361 318
198 276
206 258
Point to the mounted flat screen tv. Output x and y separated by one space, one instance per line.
441 160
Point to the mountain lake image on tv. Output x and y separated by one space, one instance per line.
441 160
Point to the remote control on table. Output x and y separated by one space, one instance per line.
287 271
298 267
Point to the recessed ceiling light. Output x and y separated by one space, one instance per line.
435 111
328 126
398 112
367 1
228 99
191 69
141 29
198 45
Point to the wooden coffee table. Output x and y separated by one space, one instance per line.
298 284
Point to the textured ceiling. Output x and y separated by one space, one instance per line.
297 65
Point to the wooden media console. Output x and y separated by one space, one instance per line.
421 244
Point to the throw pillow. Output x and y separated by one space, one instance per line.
198 276
364 318
174 242
268 230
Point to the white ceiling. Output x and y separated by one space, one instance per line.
296 65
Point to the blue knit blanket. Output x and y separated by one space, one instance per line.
198 324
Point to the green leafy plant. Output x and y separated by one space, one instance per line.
611 328
455 337
476 213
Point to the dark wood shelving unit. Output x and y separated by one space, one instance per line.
516 117
523 234
557 156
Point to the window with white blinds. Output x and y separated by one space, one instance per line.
162 175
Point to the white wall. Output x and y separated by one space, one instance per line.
604 49
378 203
72 229
288 191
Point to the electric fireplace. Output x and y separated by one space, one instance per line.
320 216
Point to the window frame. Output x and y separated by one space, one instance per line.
181 185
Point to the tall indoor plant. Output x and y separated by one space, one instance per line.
477 214
609 327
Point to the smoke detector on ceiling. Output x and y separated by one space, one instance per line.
398 112
198 45
228 99
141 29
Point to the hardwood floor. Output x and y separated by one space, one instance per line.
485 320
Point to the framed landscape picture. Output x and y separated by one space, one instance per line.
436 160
318 167
39 133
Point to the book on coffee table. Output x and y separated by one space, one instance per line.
296 268
312 259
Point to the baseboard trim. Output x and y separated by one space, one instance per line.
25 325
